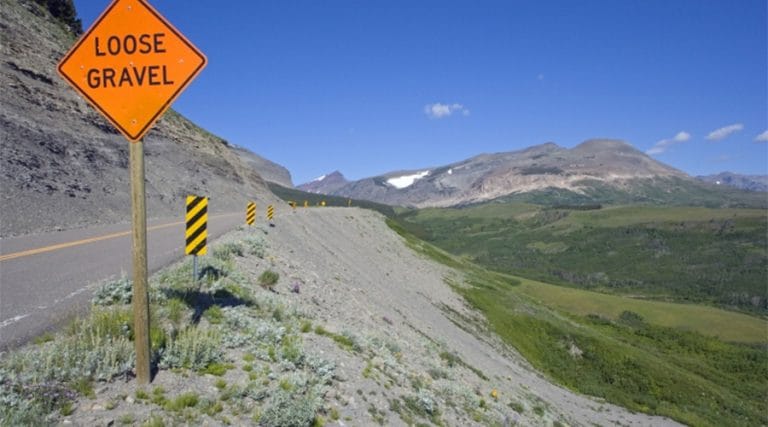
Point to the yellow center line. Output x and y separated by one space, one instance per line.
91 240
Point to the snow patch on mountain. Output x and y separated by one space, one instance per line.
406 180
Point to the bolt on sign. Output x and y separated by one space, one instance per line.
250 213
131 65
197 224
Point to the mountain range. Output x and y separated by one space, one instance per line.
597 170
735 180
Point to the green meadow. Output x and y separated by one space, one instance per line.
715 256
697 364
727 325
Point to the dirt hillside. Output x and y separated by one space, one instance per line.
62 165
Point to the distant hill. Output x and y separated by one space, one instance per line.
326 184
743 182
62 165
596 171
315 199
269 170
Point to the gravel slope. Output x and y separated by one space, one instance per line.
356 272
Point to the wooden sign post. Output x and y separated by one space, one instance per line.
131 65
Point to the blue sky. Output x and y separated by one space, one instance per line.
368 87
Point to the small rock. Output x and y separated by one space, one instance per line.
130 399
67 422
97 407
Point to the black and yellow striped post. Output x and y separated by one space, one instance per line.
349 203
197 229
270 214
322 203
292 204
306 203
250 213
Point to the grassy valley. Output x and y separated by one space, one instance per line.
669 191
648 356
690 254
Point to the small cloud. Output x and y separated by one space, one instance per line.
763 137
682 136
724 132
662 145
438 110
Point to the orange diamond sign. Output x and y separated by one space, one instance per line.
131 65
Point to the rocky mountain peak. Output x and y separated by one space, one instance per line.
611 145
325 184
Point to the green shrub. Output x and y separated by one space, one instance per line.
185 400
630 318
255 246
114 292
154 421
345 340
225 251
268 279
176 308
44 338
31 404
211 408
214 314
291 349
290 410
217 369
306 326
194 348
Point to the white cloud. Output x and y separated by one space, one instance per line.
763 137
438 110
724 132
662 145
682 136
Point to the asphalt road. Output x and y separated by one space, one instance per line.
46 279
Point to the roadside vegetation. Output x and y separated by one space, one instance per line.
196 328
684 254
624 357
234 348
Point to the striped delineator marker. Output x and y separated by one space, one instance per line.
250 213
197 224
